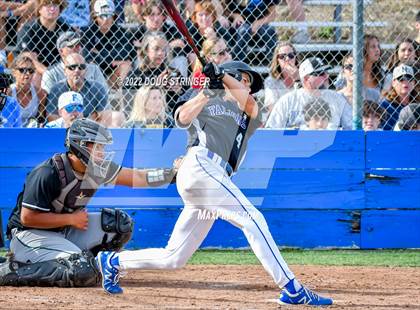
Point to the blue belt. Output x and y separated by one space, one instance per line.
222 163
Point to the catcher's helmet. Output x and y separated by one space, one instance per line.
235 68
84 131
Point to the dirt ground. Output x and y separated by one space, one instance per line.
230 287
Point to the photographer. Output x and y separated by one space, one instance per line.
9 108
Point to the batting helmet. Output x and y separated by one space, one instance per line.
235 68
84 131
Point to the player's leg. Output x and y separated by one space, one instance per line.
237 209
108 230
46 258
189 232
187 235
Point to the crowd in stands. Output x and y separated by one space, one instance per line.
76 59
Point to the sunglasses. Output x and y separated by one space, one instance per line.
222 52
76 66
105 16
288 55
26 70
73 108
405 78
316 74
348 67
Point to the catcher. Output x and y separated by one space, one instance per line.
53 239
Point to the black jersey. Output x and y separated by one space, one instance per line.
43 186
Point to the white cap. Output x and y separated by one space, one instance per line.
104 7
68 98
402 70
311 65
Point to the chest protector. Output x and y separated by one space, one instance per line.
76 189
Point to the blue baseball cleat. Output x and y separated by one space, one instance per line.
108 266
303 297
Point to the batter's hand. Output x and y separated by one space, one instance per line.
213 71
80 219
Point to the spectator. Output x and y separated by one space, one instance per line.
138 6
254 30
288 111
406 52
70 108
370 94
204 24
298 14
214 50
23 12
94 94
40 35
77 14
68 43
400 95
317 114
155 18
31 99
153 70
373 74
108 44
284 73
148 109
9 108
373 114
409 118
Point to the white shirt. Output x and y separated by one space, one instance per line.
58 123
288 110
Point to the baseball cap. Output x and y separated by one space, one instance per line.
312 65
68 38
69 98
104 7
402 70
409 117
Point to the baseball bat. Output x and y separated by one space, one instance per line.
176 17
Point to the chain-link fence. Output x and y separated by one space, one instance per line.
131 66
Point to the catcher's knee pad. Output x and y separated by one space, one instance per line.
118 222
78 270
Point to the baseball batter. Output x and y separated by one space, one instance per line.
220 120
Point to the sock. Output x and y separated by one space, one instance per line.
293 286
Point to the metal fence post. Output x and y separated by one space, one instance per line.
358 63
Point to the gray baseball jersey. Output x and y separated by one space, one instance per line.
220 127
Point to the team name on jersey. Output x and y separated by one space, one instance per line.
217 110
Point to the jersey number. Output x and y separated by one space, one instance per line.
239 140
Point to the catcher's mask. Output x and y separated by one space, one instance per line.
235 68
87 140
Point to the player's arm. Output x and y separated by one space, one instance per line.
188 111
42 187
145 178
240 92
47 220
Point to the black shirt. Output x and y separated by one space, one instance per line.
36 38
116 44
254 10
42 186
